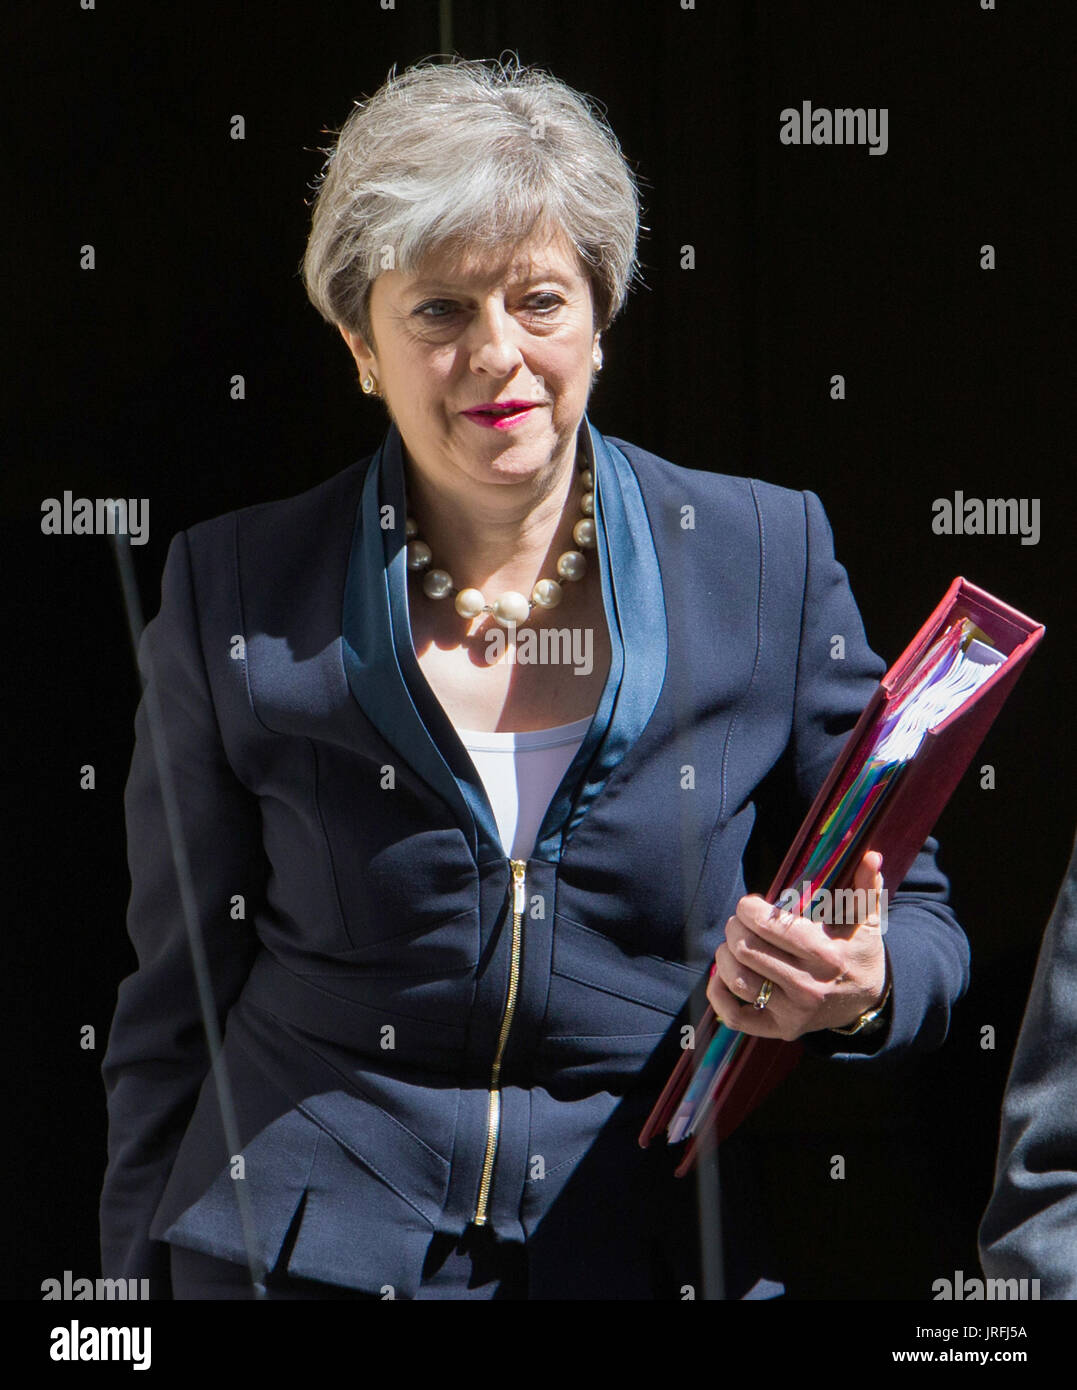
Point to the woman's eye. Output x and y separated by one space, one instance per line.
553 301
444 304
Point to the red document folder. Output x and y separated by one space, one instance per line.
904 821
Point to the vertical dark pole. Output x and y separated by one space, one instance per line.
709 1191
445 39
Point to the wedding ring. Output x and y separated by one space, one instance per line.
762 999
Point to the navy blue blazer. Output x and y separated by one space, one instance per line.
357 905
1028 1229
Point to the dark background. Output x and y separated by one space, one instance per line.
810 261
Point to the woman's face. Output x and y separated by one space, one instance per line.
460 332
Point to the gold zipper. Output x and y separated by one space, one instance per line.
493 1117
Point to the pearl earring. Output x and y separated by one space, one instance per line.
368 384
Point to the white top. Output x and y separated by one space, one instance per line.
521 772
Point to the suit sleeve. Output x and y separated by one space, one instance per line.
1028 1228
927 950
157 1055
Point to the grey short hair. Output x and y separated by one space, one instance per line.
473 153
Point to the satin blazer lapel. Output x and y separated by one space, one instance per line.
636 617
388 684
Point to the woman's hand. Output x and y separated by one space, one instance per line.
824 976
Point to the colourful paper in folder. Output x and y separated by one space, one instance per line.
893 777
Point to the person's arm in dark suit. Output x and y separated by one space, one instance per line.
928 952
1030 1227
157 1056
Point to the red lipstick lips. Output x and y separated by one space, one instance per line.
500 415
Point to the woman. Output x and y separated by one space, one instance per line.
467 745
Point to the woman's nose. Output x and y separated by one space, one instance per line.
492 341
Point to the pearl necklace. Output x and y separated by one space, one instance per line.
511 607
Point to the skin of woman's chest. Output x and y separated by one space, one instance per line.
544 681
